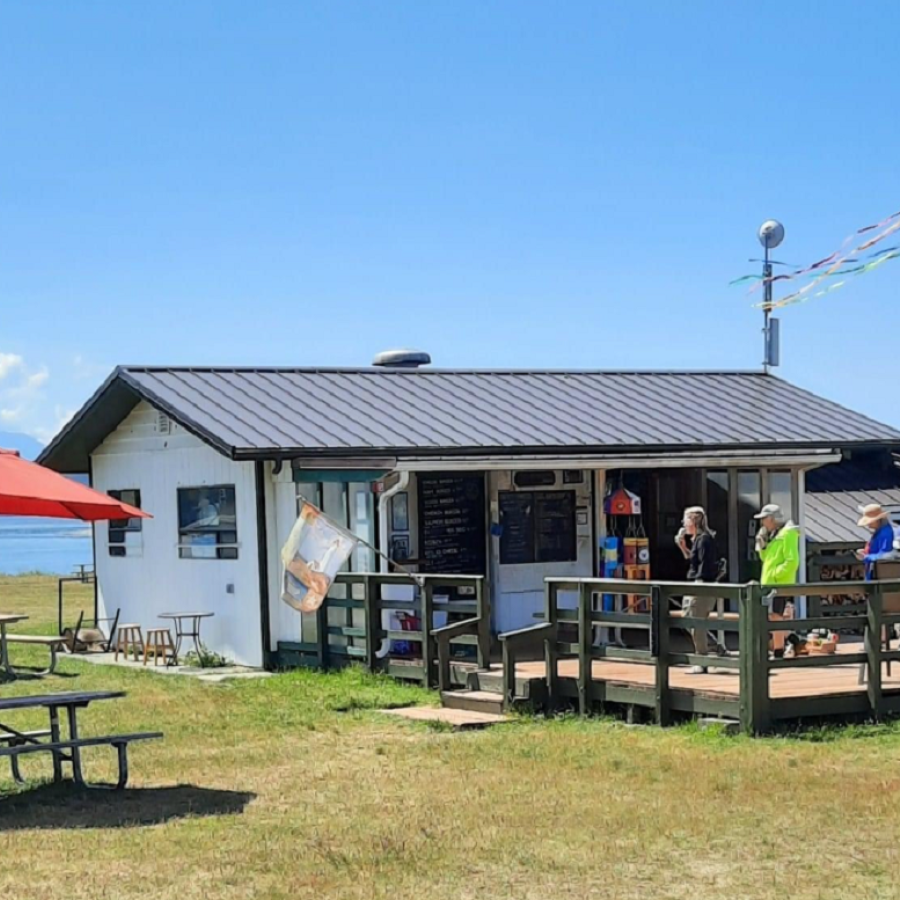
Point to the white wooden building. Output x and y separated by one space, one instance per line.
220 458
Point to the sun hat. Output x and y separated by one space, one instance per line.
770 509
871 514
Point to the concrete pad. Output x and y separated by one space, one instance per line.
455 718
222 673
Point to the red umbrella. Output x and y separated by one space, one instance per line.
27 489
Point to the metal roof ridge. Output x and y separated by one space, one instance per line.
433 370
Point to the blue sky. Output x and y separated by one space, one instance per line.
502 184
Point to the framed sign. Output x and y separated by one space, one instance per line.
400 512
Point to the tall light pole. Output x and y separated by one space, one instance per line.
770 234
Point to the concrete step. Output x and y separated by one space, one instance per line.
457 719
474 701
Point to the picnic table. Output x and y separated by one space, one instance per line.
7 619
184 630
15 743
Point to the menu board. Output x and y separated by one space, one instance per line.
452 536
517 527
555 539
537 527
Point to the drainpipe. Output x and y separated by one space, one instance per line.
401 485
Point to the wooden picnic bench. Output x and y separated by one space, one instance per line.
54 644
15 743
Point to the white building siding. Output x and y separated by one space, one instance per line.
139 454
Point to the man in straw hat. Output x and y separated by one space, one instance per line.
884 540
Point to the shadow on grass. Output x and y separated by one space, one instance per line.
68 806
33 673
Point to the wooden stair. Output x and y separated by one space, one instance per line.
473 701
481 690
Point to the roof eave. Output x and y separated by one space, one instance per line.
284 453
63 453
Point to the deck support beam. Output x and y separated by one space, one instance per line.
754 659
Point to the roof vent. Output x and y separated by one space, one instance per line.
163 423
401 359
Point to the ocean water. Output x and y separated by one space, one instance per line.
54 546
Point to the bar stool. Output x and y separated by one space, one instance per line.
160 641
129 636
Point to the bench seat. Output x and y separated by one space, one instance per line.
53 644
70 751
44 640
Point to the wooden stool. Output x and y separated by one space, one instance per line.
129 635
160 641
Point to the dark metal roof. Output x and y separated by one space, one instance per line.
835 493
252 413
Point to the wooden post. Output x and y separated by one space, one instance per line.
443 666
659 629
754 661
427 639
372 607
873 648
550 651
585 633
483 605
814 575
509 675
322 635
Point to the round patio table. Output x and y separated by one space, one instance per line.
187 625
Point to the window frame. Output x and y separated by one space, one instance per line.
231 548
125 526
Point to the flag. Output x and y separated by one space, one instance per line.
314 553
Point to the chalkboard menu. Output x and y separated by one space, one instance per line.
554 526
537 526
452 524
517 527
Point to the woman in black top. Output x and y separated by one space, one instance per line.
698 544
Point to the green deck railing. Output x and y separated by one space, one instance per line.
754 706
349 625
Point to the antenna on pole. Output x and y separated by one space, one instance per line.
770 234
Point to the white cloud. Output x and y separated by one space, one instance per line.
36 402
37 379
10 362
63 417
22 394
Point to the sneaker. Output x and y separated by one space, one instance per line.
697 670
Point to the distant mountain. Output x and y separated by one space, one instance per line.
25 444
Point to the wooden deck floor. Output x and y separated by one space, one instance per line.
783 683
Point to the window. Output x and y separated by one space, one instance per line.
125 534
534 479
207 523
780 491
749 503
537 526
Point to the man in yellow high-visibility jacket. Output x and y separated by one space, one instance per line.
778 545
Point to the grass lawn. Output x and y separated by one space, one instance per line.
294 787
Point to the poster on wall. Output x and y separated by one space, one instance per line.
312 556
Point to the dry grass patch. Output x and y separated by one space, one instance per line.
295 787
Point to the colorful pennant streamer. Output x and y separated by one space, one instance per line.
789 276
860 270
785 301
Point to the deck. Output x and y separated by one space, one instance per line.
626 646
722 683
